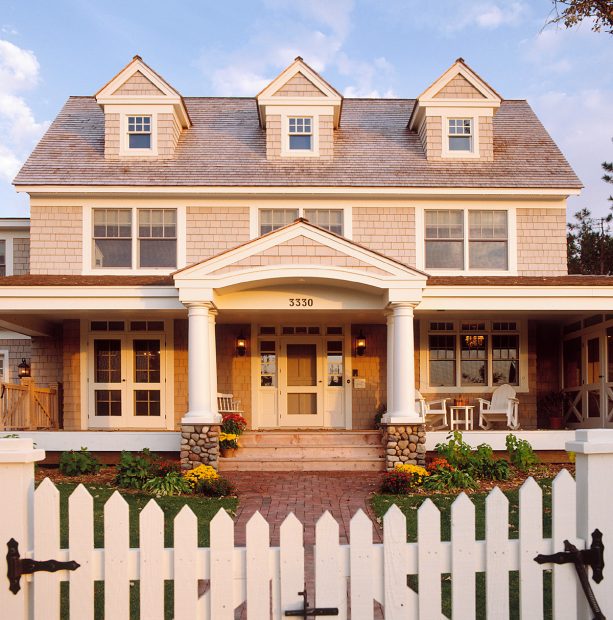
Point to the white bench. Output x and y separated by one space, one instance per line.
226 403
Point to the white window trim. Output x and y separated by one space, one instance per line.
124 147
8 237
88 254
474 152
420 240
285 150
6 375
424 356
254 217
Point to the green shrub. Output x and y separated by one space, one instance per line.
478 463
214 487
521 453
134 470
442 479
77 463
172 483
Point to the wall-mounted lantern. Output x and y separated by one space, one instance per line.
241 345
360 344
23 370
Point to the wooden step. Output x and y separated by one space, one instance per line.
308 450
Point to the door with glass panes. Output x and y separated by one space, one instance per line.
301 383
126 381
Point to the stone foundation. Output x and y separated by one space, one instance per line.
404 444
199 445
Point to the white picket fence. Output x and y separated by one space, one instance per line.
268 579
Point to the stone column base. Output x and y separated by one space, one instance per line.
404 444
199 445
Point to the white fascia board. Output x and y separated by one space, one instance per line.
101 441
200 191
459 106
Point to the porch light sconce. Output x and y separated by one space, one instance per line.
23 370
241 345
360 344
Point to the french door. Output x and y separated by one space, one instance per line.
301 383
126 381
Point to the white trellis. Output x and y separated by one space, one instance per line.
268 579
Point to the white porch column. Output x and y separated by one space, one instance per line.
213 360
402 367
199 360
390 360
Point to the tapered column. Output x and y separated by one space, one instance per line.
213 360
402 366
200 360
390 360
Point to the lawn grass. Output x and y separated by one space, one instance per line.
204 508
410 504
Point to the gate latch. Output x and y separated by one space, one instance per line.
18 566
594 557
307 612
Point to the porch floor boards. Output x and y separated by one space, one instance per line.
308 450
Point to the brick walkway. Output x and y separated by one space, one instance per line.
308 495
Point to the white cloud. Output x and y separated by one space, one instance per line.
19 130
321 27
486 15
582 126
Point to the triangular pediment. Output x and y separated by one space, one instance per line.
297 85
300 250
138 83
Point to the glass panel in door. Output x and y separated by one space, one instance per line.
594 377
573 380
108 387
146 388
609 379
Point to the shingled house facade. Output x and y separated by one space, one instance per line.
320 258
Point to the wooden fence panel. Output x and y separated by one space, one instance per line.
398 602
463 557
497 555
429 559
330 580
116 558
81 545
292 563
564 527
151 530
185 564
257 567
46 547
222 566
361 567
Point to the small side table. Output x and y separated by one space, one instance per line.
457 419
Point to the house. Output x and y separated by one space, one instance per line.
320 258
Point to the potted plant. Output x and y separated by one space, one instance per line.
551 407
232 427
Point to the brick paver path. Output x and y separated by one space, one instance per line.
308 495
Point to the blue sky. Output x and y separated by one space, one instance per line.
50 50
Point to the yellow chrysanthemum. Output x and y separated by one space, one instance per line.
202 472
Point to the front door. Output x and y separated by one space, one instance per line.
301 384
126 381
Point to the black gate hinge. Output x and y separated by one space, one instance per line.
594 557
18 566
307 612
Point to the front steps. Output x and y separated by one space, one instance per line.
310 450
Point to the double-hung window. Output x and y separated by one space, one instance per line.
466 239
2 257
464 354
460 135
300 133
139 132
330 219
117 243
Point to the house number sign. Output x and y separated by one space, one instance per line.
300 302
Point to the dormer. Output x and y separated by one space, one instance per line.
143 115
299 111
454 116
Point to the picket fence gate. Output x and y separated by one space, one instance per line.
268 579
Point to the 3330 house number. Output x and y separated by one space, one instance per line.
300 302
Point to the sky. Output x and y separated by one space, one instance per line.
365 48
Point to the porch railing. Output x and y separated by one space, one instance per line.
27 406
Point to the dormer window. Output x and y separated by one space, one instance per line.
300 134
460 135
139 132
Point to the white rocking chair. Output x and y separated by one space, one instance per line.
502 408
226 403
433 412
